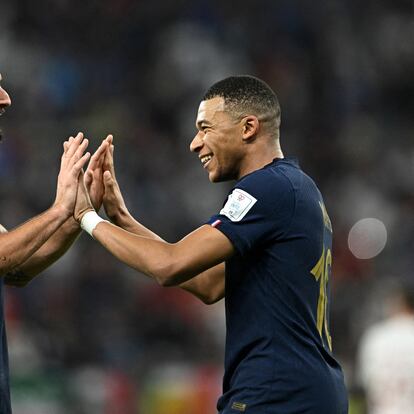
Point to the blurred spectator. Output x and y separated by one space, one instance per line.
386 356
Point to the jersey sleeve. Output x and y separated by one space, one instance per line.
257 210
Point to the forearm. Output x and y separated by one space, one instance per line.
54 248
148 255
124 219
45 256
169 264
22 242
207 286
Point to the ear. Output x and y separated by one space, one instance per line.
250 127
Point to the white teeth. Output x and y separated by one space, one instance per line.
206 159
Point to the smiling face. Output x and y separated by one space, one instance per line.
219 141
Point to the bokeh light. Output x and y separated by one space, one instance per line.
367 238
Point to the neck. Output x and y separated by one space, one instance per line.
259 155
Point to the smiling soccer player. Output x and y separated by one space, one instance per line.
267 252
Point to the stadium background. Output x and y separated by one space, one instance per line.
90 335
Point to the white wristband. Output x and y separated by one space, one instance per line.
89 221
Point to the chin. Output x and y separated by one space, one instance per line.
213 179
217 178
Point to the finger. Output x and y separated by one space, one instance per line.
107 158
107 178
109 161
74 144
66 145
81 162
79 152
65 148
63 158
88 179
97 157
79 137
108 141
111 151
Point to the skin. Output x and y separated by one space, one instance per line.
30 248
17 246
195 263
238 147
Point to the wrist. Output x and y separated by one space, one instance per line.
120 216
60 211
71 225
78 215
90 220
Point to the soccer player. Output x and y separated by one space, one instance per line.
268 252
30 248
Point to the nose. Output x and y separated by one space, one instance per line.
5 100
197 143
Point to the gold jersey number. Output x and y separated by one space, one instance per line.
321 272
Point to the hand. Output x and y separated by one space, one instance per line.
83 202
113 201
72 162
94 174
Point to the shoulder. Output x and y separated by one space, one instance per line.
267 185
269 181
264 192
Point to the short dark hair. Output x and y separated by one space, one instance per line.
245 95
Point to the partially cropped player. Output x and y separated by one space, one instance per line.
28 249
268 252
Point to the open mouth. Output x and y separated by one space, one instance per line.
206 159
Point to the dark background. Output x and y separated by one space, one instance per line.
92 336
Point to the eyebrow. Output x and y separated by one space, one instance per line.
203 121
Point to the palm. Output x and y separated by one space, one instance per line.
93 176
96 189
72 161
83 202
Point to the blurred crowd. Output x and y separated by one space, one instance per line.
92 336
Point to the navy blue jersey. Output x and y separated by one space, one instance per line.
4 363
278 348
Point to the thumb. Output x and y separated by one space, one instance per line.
88 178
107 176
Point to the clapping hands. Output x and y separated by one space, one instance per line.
98 185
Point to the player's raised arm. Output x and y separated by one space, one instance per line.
170 264
58 244
208 286
19 244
